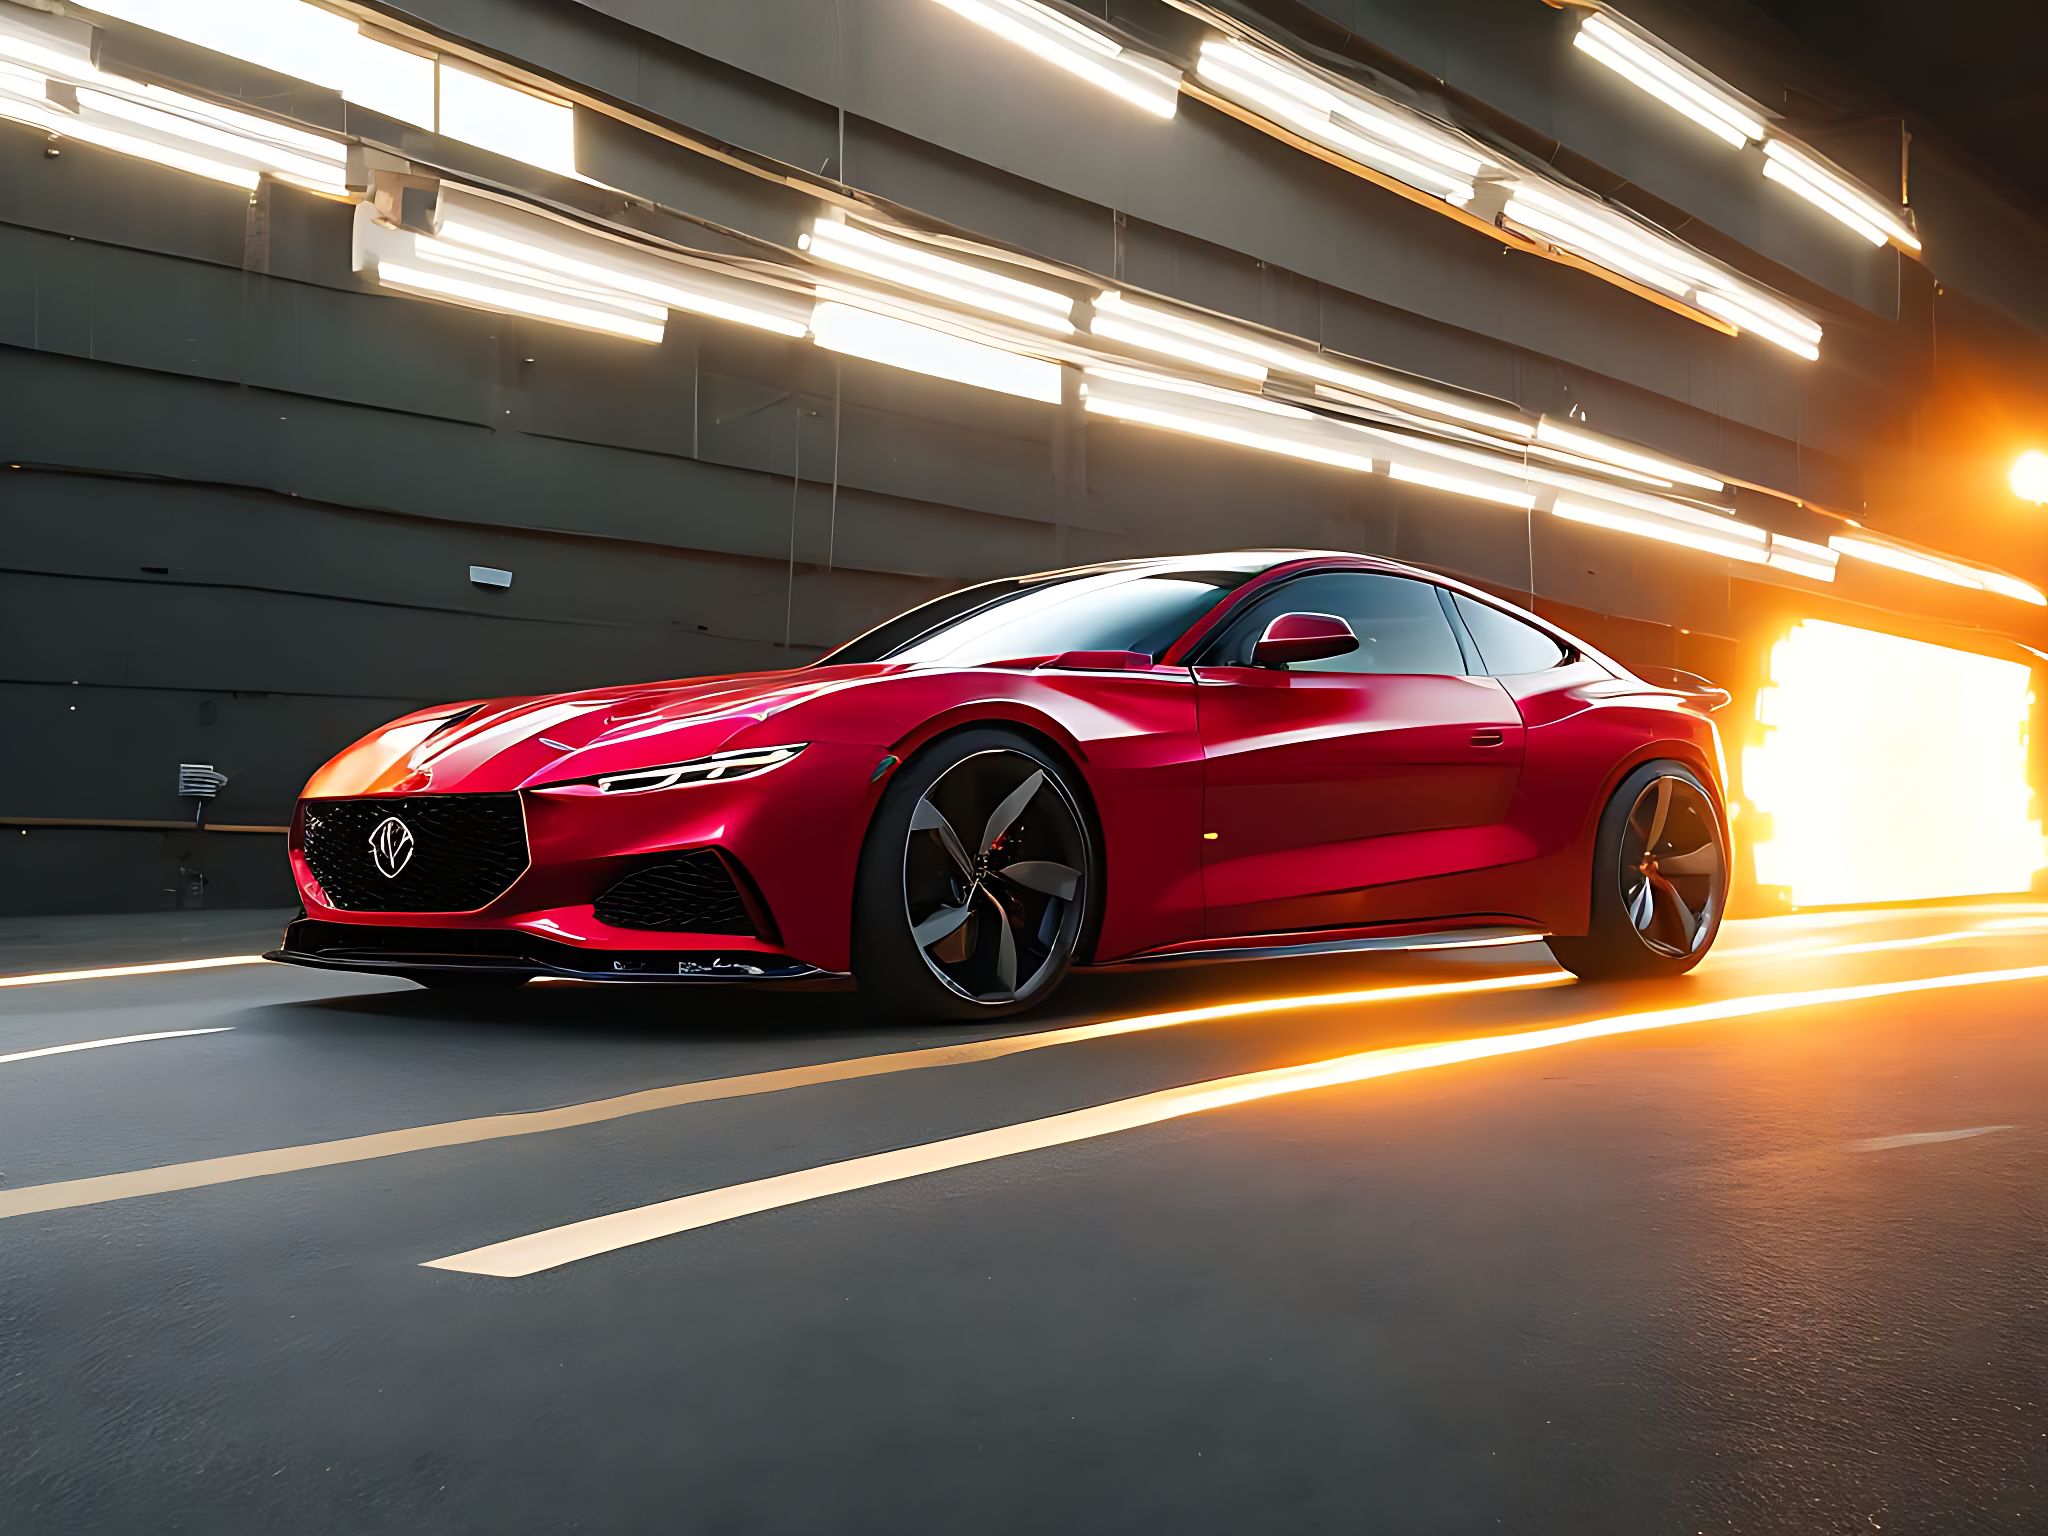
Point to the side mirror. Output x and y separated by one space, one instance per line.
1296 637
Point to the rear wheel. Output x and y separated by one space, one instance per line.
1660 879
976 880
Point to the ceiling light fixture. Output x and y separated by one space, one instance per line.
1379 135
1269 427
1670 79
1607 451
1802 557
899 343
1065 42
1836 195
485 227
1734 541
1461 485
910 265
1914 562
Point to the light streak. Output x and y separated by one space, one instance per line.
532 1254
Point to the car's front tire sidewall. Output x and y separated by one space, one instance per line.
888 969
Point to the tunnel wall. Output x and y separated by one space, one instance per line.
244 491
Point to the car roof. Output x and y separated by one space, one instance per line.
1247 560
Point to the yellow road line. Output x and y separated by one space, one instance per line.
457 1133
107 972
557 1246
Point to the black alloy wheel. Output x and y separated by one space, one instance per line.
990 857
1660 879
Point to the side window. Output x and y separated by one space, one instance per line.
1507 645
1399 623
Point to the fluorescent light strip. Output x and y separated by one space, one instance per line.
1314 95
612 268
1376 388
1460 485
480 293
1107 374
1239 74
1159 329
1644 81
1934 567
1836 194
298 40
1746 320
911 266
917 348
244 140
1670 81
87 131
1822 199
1065 43
1690 537
474 264
1607 451
1802 558
1600 222
1269 436
1115 327
1572 237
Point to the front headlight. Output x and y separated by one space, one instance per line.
718 768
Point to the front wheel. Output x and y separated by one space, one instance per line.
976 880
1660 879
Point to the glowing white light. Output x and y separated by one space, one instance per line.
1836 195
1607 451
1062 41
921 349
1670 80
1734 541
911 265
1865 730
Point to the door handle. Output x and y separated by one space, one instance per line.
1487 738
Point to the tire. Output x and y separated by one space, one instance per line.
977 880
1660 879
466 981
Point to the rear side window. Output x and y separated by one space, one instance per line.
1399 623
1506 644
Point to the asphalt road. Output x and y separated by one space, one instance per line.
1762 1250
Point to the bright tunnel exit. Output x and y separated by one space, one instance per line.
1891 770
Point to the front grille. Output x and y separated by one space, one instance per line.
692 893
459 852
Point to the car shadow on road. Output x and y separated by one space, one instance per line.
624 1012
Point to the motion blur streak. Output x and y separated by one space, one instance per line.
520 1256
71 1193
157 968
96 1045
1892 770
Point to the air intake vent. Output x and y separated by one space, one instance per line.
691 893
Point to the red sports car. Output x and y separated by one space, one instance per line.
1159 760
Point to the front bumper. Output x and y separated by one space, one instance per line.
792 838
392 951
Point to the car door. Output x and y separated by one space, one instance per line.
1339 793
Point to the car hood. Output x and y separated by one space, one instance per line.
517 743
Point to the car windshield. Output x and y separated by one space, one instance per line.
1118 610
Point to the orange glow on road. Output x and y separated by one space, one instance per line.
1892 770
521 1256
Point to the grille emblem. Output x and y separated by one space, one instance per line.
391 847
